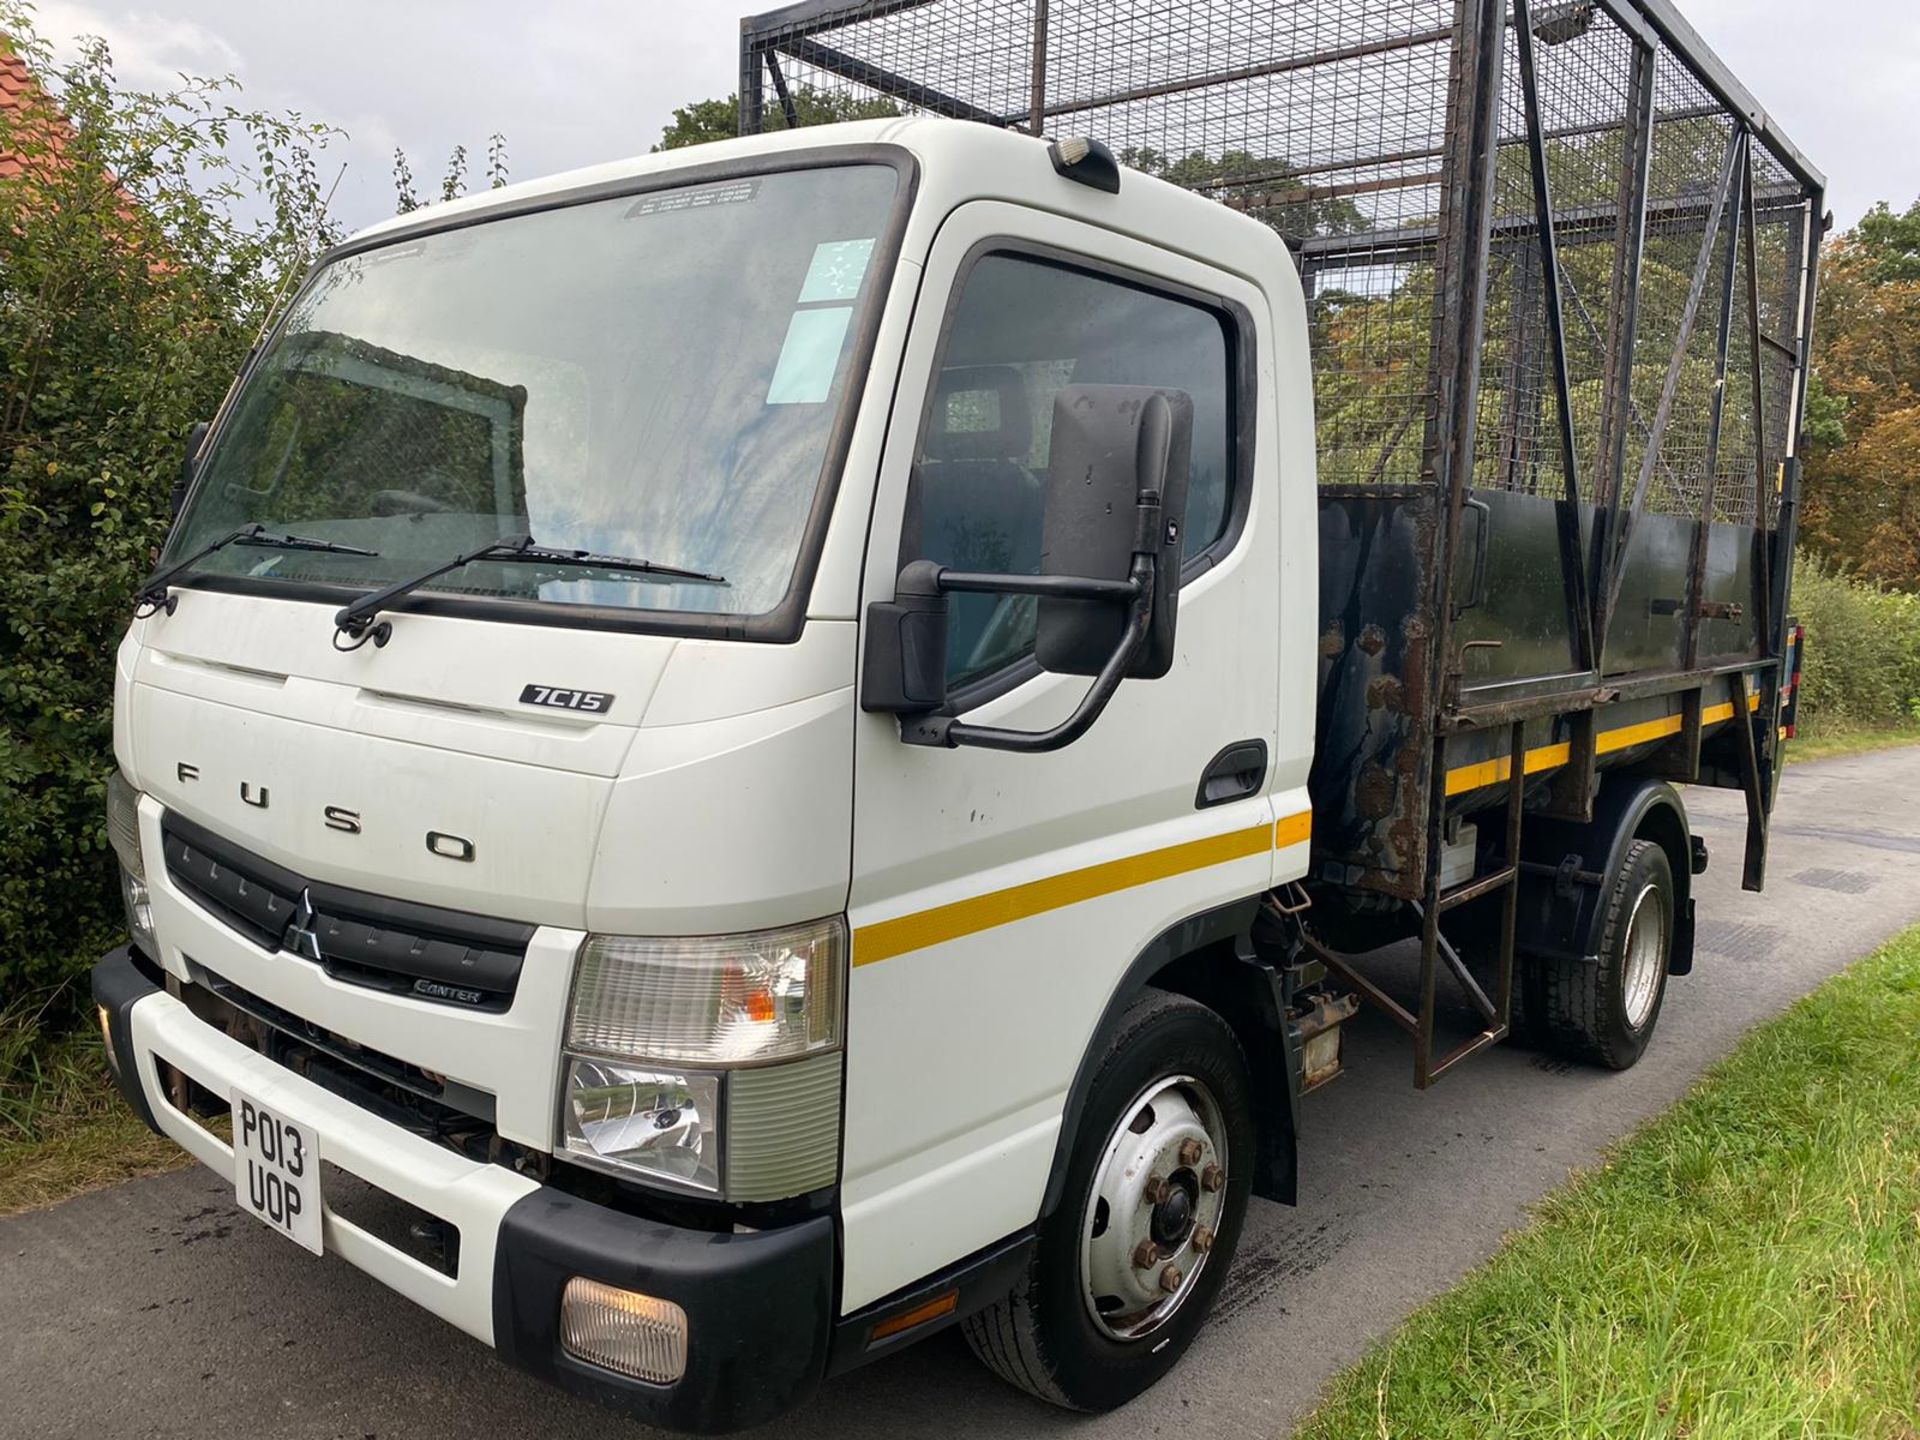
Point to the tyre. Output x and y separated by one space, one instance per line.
1527 1020
1606 1013
1129 1264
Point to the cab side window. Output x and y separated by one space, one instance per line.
1022 329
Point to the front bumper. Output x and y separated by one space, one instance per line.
759 1305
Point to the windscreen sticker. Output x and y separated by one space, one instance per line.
836 272
704 197
804 374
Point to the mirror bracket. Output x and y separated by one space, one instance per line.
949 732
906 666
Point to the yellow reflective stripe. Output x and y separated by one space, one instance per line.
1478 776
889 938
1293 830
1628 736
1500 768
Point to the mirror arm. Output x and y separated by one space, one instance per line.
1051 587
945 730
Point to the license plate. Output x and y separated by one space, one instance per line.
276 1170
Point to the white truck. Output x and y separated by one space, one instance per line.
742 755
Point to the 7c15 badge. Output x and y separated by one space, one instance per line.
554 697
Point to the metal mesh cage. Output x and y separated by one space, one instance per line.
1681 222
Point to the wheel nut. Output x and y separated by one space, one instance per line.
1170 1279
1212 1179
1156 1191
1190 1152
1202 1239
1145 1255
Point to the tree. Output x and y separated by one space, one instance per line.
1862 510
144 238
1892 242
704 120
1270 190
454 184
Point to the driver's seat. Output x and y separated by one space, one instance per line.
973 504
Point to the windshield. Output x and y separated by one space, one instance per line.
653 377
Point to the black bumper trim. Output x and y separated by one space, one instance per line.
758 1305
118 981
981 1280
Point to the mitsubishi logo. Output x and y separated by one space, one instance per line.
300 936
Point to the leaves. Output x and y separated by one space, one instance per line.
405 201
1890 242
705 120
143 244
1863 410
453 184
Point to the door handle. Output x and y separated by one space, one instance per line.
1235 773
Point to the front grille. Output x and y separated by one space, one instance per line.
396 1223
400 1093
444 956
457 1100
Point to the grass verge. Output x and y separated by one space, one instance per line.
63 1127
1817 744
1747 1265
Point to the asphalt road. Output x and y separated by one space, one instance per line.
155 1309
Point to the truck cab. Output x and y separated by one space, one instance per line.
658 913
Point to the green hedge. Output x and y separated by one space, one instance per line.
1863 652
138 258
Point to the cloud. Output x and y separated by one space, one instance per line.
150 51
584 81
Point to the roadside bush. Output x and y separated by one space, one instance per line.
143 238
1863 651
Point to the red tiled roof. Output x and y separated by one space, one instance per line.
15 85
37 118
21 96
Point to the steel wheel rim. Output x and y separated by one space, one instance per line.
1646 950
1161 1178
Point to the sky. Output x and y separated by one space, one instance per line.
575 82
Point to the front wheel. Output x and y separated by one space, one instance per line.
1130 1263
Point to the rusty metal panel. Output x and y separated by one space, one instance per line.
1373 762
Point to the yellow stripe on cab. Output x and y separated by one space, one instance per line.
888 938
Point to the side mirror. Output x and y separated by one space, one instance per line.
196 440
1109 580
1112 447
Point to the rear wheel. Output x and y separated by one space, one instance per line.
1606 1013
1130 1263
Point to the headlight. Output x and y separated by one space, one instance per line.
645 1120
719 1000
709 1063
123 832
123 823
139 908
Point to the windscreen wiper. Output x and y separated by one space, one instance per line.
359 622
154 596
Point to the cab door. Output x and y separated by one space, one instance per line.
998 899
